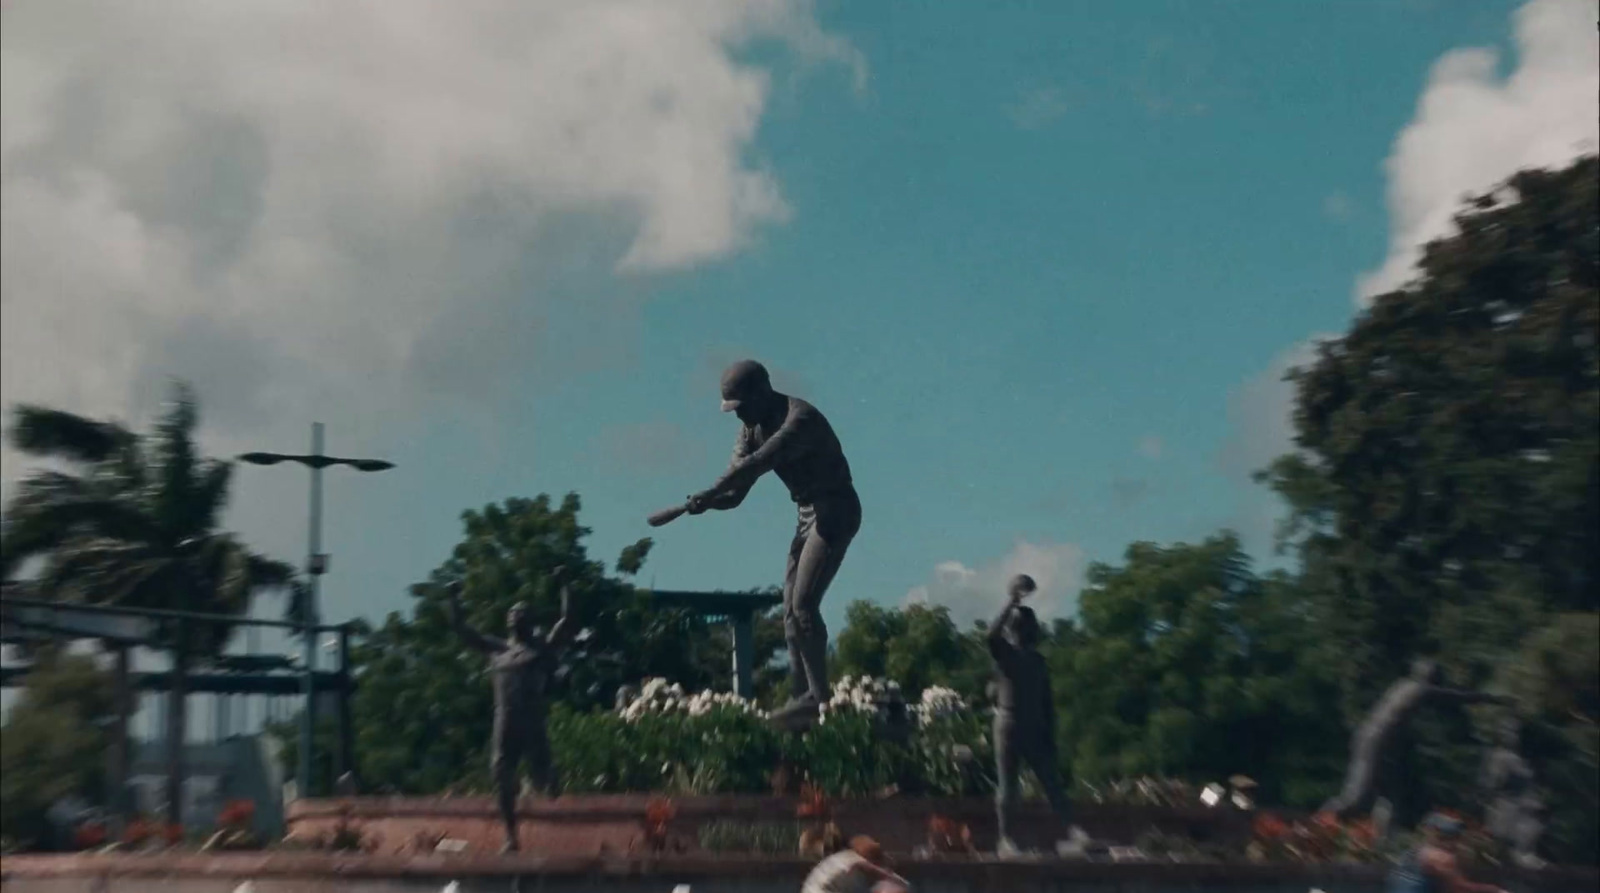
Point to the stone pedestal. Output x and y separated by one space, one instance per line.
594 824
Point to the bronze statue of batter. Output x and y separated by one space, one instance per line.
789 437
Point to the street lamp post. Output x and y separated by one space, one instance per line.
316 566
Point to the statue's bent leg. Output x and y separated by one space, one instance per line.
820 556
791 625
503 760
1358 780
1005 759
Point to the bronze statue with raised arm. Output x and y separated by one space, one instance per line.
521 667
790 438
1024 710
1373 736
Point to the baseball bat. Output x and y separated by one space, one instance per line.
666 516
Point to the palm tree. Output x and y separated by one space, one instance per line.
134 523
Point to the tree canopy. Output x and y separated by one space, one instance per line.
1181 664
916 646
1445 488
1186 664
134 521
1445 483
53 742
423 709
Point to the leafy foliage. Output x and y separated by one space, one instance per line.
135 521
1188 665
1446 488
1555 677
767 838
725 750
423 710
953 755
1183 664
849 756
1445 491
917 646
53 741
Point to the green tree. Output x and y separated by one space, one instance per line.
1185 664
134 522
423 707
1445 491
54 742
1446 488
1555 677
916 646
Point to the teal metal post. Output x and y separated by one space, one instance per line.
744 655
308 716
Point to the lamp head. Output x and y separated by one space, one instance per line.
261 458
370 465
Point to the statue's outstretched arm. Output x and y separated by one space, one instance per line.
1467 696
473 638
724 495
792 439
999 647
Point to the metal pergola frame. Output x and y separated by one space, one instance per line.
739 609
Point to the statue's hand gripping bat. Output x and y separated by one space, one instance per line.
667 516
694 505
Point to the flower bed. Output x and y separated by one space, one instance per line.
867 742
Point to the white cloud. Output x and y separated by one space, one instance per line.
308 208
1261 413
1474 128
978 593
1260 429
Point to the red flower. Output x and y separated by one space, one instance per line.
236 814
1267 826
138 831
948 835
89 834
172 834
657 813
812 802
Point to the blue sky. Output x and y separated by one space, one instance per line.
1041 264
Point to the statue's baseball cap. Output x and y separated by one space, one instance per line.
741 381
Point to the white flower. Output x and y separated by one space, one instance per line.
938 701
657 696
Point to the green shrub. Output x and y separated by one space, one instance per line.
846 755
723 751
767 838
953 755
